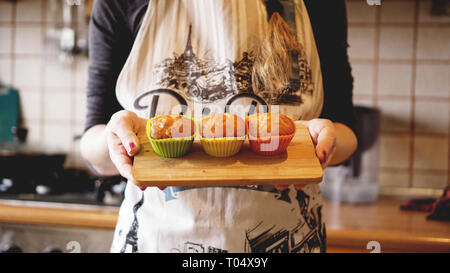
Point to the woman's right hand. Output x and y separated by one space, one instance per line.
122 140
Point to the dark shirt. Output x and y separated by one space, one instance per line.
115 24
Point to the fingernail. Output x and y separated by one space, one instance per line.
324 155
132 145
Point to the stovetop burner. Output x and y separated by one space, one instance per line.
88 198
69 186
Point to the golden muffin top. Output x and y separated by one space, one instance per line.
268 124
171 126
222 125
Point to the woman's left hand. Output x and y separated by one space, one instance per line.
323 135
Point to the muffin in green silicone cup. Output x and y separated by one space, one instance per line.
171 135
222 135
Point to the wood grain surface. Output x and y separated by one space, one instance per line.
351 227
105 218
298 165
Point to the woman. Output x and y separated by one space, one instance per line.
205 53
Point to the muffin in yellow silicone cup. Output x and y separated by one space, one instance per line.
222 135
171 135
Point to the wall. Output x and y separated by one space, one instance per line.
399 53
400 56
52 95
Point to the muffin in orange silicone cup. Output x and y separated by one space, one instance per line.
269 134
222 135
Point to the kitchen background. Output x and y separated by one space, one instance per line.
400 56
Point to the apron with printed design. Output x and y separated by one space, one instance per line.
199 55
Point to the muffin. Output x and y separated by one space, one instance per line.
171 135
222 135
268 133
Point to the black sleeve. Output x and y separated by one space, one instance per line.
329 23
110 41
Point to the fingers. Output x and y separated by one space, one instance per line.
323 134
329 158
124 126
283 187
121 159
313 131
326 145
122 141
129 140
119 156
326 141
144 188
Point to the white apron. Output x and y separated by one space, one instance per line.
199 54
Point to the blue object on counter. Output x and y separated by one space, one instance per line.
9 112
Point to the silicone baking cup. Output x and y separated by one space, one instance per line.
222 147
270 145
170 147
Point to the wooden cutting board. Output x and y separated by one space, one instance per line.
298 165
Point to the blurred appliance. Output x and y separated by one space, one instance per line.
64 189
40 180
440 7
34 175
31 171
9 112
356 181
68 36
22 238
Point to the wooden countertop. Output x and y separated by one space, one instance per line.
349 227
43 213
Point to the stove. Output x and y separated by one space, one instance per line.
69 189
67 186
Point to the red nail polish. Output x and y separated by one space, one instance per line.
132 145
